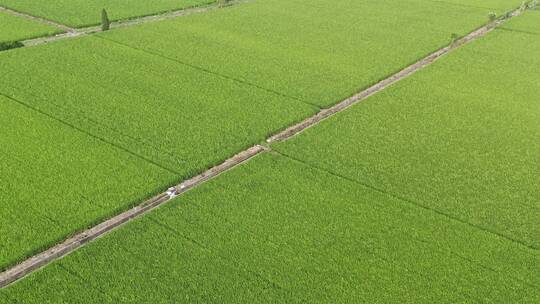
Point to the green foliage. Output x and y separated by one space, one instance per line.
168 114
302 50
14 28
492 17
498 6
454 37
179 108
527 22
10 45
277 231
180 117
445 148
105 23
460 137
56 180
80 13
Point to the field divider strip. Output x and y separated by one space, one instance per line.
412 202
77 32
71 244
211 72
61 26
383 84
82 130
78 240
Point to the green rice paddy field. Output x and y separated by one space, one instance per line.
183 107
277 230
14 28
288 46
460 138
529 24
50 190
80 13
168 116
425 192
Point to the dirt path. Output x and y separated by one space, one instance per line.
37 261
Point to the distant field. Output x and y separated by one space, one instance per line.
276 230
460 137
497 6
56 180
13 28
318 51
79 13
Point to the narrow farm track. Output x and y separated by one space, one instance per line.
128 22
65 28
80 239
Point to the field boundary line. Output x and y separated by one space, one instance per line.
92 135
78 240
517 31
77 32
65 28
71 244
385 83
211 72
411 202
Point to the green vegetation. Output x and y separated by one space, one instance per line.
79 13
529 22
13 28
180 117
460 137
10 45
499 6
276 230
426 191
105 23
454 38
300 49
56 180
169 115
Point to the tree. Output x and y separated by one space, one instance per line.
454 38
105 22
10 45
